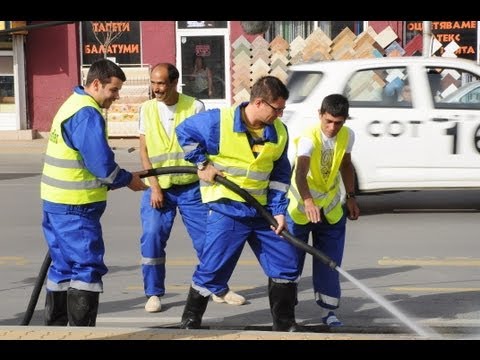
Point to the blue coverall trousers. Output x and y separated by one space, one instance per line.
76 247
157 225
224 242
329 239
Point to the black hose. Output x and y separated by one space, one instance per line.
36 290
225 182
252 201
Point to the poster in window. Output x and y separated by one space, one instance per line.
203 66
463 33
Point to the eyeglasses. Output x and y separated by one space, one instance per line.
277 110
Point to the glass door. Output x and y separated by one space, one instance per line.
202 54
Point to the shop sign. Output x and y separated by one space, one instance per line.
120 40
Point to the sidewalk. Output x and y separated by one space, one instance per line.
38 146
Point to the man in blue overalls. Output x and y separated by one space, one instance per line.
79 169
248 145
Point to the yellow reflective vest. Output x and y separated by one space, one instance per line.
162 149
65 178
325 194
238 163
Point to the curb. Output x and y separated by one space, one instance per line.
106 333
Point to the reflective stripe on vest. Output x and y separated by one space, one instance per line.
164 150
325 194
239 165
65 178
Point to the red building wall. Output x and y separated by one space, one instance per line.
52 71
158 42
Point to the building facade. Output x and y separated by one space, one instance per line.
39 68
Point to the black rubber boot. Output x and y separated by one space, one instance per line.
194 310
56 308
282 298
82 307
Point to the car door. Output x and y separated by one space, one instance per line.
455 123
389 150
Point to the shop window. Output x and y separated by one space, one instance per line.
289 30
6 87
6 42
203 66
461 33
7 94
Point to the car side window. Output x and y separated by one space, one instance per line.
382 87
454 88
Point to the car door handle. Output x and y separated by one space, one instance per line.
440 119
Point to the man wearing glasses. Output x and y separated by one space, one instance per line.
278 111
248 145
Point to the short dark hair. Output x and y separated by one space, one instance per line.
104 70
336 105
269 88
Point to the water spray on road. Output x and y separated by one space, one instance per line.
390 307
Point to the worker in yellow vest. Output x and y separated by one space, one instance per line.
159 147
79 168
316 204
248 145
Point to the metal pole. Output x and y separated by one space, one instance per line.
478 43
427 38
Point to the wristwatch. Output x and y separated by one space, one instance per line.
350 195
202 165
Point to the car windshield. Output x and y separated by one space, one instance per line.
453 88
301 84
467 94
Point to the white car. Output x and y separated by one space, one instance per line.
401 143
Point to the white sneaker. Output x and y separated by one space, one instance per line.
230 298
153 304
